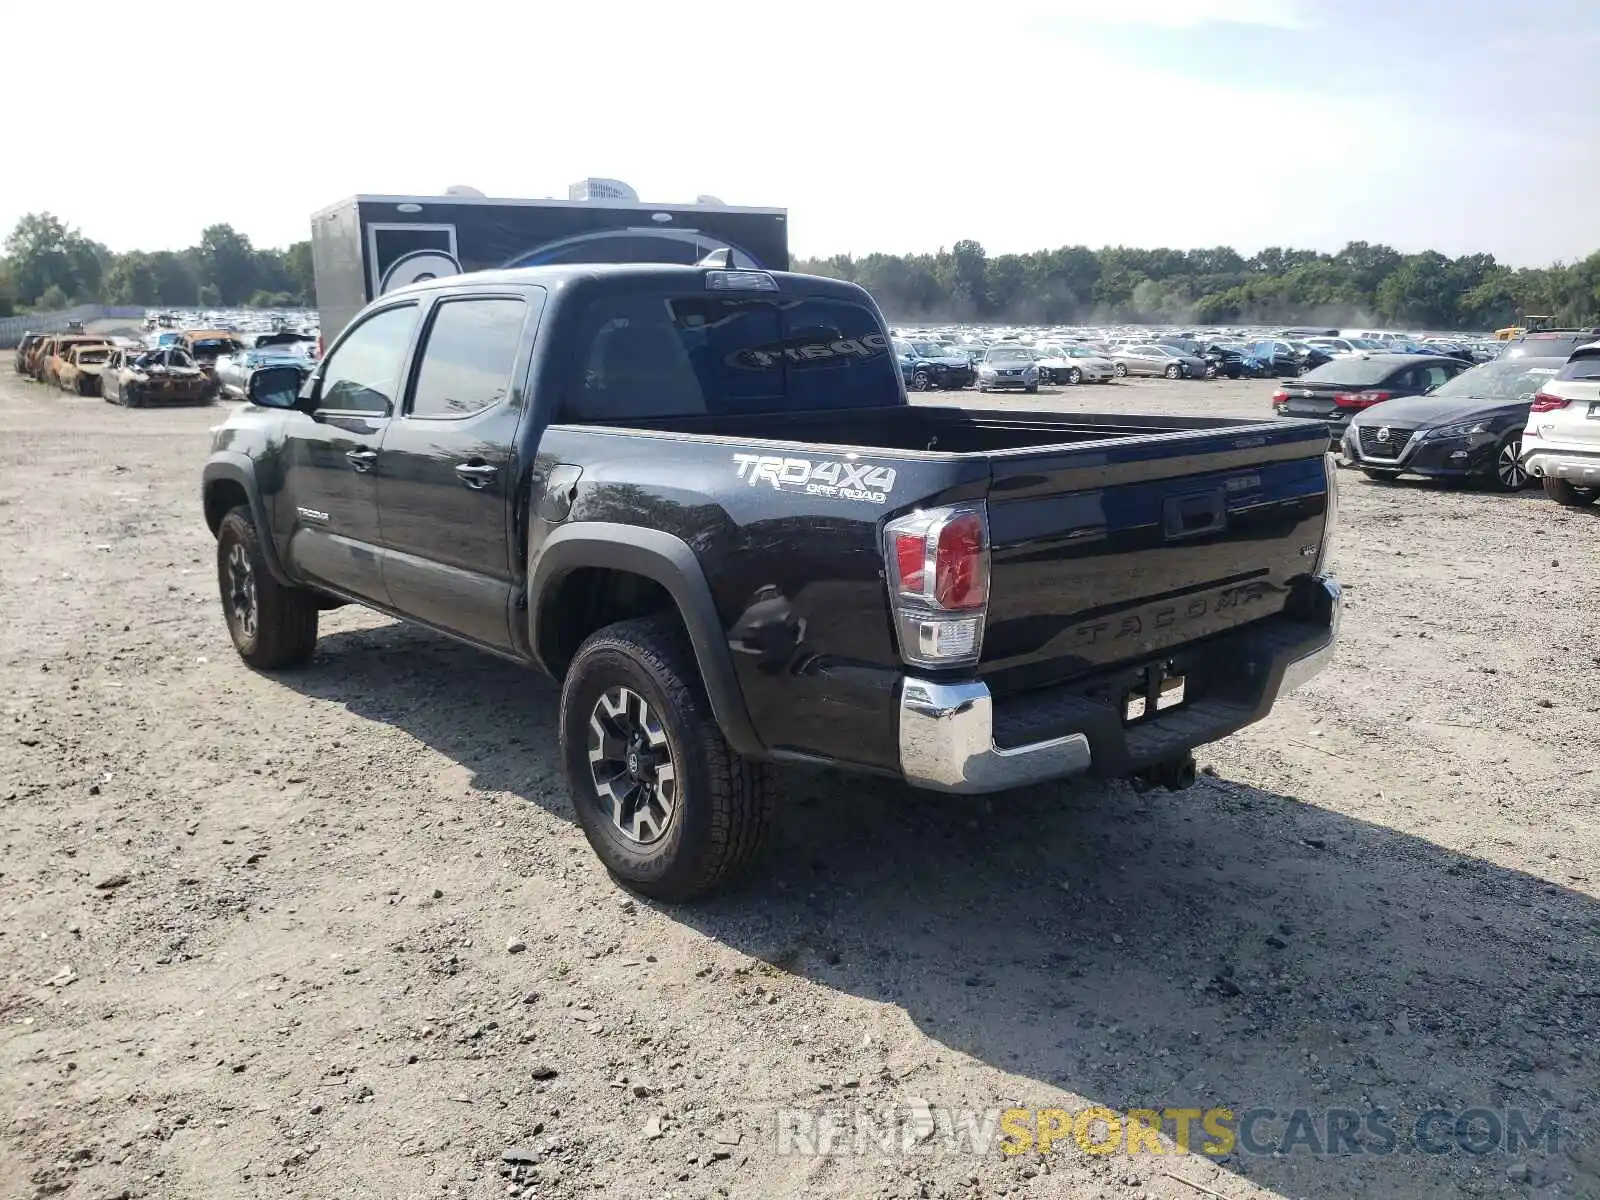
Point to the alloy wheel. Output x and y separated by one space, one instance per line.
1508 466
630 763
242 590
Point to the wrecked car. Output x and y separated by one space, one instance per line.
81 367
136 378
52 354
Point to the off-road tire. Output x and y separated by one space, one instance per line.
723 807
1566 493
286 617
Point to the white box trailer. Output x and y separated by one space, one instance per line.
364 246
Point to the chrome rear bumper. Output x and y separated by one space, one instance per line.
947 729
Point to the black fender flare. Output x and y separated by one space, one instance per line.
233 467
669 561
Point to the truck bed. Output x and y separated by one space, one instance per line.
943 429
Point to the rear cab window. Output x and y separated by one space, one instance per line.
642 357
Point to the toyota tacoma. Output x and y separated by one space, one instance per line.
698 497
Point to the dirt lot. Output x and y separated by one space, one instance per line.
254 931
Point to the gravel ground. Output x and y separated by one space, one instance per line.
335 933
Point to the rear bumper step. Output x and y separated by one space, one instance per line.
958 737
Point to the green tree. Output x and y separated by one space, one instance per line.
52 299
228 263
42 251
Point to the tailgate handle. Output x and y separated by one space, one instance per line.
1195 514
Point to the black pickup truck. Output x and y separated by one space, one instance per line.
699 498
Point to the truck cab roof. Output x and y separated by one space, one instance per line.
606 277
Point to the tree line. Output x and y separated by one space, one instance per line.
48 264
1363 284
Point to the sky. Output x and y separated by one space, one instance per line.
1458 125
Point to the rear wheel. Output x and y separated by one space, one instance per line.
1563 492
1120 370
1074 376
271 625
1507 474
667 806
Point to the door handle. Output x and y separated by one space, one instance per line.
477 474
361 460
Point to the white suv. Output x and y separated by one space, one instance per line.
1561 445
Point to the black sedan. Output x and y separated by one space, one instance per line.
1469 427
1336 391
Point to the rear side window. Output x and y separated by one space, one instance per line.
645 357
468 359
1585 370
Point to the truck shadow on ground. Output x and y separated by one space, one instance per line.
1226 946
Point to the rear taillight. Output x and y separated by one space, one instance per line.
1280 398
937 563
1545 402
1360 399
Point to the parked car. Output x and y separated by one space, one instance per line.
1561 443
1336 391
19 359
205 346
1151 359
1008 366
1467 427
1225 360
52 354
233 370
926 366
136 378
80 368
1074 365
1542 343
701 499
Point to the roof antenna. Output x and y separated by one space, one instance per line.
720 259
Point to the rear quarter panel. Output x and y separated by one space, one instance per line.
792 560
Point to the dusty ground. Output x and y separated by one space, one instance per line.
253 931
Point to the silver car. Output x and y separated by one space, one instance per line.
1005 367
234 370
1150 359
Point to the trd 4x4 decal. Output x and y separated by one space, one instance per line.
825 477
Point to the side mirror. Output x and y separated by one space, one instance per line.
275 387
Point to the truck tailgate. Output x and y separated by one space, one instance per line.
1114 551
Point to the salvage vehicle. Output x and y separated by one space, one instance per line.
136 378
1008 366
700 498
52 354
1561 443
80 368
926 366
205 346
1337 390
1469 427
1074 365
19 360
1150 359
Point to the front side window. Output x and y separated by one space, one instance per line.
363 371
469 356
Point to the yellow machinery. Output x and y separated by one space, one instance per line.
1530 323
